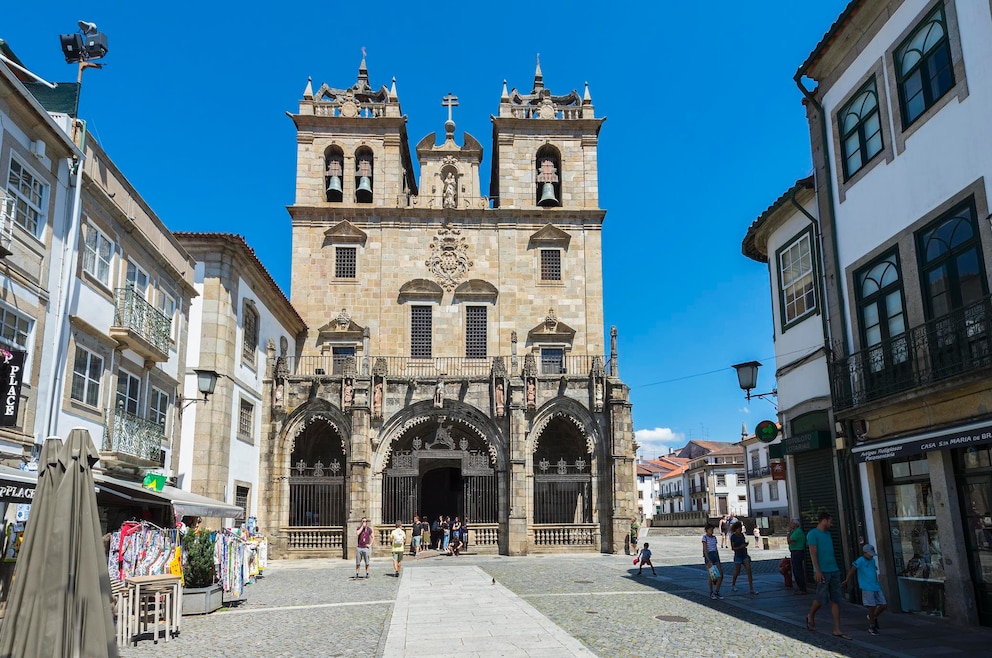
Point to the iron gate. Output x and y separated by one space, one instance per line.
480 498
562 494
316 495
399 498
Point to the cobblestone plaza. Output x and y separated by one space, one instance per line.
539 606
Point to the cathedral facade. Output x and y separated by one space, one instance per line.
455 361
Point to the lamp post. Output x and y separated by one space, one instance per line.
84 46
747 377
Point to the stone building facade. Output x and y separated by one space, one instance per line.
455 361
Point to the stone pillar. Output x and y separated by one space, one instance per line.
266 445
359 469
518 539
959 594
621 443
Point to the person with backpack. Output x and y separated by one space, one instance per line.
398 539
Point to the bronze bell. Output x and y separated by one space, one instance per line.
548 199
363 194
334 187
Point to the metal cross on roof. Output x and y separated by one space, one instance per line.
449 101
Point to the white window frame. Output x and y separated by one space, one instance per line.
23 205
797 281
167 305
758 496
157 412
9 325
131 279
92 259
773 490
244 405
127 399
91 388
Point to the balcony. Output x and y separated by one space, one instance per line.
697 488
761 472
140 326
955 344
131 441
403 367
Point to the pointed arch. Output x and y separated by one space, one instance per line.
572 412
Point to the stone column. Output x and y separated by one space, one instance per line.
959 594
518 540
266 445
621 441
359 469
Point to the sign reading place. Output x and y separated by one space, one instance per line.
11 374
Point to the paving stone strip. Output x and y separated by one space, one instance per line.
480 618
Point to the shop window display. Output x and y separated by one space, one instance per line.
917 556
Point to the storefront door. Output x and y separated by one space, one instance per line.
976 501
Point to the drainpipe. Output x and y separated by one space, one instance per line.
70 257
848 473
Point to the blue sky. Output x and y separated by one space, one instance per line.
704 130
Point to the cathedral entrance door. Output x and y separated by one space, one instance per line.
441 489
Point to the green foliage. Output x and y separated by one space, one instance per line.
198 567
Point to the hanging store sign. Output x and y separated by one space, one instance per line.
805 442
778 470
766 431
11 375
961 437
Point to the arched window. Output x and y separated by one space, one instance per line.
334 173
363 175
548 187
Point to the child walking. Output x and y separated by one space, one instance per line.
741 558
871 589
711 558
644 557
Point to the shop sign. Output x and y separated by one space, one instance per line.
16 493
766 431
778 470
959 438
805 442
11 374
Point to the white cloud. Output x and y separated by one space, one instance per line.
745 410
657 442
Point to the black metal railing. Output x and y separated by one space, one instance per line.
953 344
760 472
697 488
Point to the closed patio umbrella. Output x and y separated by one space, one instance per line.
60 599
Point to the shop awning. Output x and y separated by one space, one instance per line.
16 486
185 503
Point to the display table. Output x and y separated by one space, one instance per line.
164 593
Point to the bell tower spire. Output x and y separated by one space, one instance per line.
538 77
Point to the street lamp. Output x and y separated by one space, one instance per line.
747 377
206 381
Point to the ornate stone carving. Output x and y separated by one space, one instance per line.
343 319
380 369
530 366
449 261
499 367
551 321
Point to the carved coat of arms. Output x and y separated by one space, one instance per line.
449 261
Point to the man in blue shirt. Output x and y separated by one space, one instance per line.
826 573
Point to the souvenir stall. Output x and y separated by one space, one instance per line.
240 557
16 493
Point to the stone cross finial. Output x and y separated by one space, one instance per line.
449 101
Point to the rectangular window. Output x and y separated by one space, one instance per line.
241 498
246 419
158 407
758 498
861 129
924 70
796 279
137 279
421 332
345 262
29 193
128 392
721 480
87 371
97 254
755 460
167 305
552 361
14 328
249 343
338 357
476 337
773 491
550 265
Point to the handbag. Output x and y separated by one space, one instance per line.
714 573
635 560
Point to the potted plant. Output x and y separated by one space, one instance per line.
201 595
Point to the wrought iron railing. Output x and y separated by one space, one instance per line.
953 344
314 538
760 472
404 367
129 434
571 534
133 312
697 488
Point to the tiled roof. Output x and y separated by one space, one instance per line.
836 27
747 246
240 243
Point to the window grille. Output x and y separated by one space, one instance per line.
550 265
345 260
421 332
250 342
552 361
241 498
475 332
246 418
338 357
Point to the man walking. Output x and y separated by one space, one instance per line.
826 573
365 537
398 539
415 541
797 554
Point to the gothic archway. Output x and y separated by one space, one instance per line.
562 462
317 476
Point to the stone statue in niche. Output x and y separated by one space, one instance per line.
449 191
279 394
439 394
599 393
347 393
377 400
531 394
500 398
